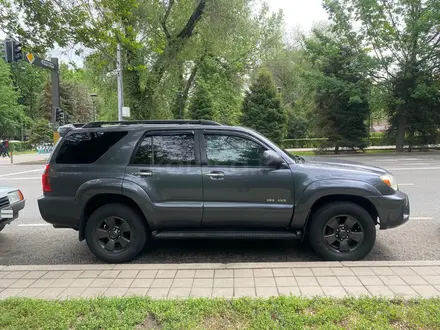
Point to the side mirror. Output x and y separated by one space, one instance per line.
272 159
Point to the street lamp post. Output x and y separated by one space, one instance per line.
180 95
94 96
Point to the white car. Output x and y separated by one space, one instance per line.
11 202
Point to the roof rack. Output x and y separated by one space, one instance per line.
151 122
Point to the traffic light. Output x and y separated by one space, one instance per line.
59 115
17 53
6 51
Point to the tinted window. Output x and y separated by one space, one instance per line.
166 150
233 151
87 148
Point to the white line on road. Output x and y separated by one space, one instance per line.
34 225
28 178
421 218
412 168
407 184
16 173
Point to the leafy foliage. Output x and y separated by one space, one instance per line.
201 104
41 132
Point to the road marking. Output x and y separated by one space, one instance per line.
34 225
28 178
407 184
16 173
412 168
421 218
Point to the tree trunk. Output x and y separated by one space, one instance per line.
400 140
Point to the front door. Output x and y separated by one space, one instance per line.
165 165
239 191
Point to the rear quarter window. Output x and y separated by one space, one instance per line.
86 147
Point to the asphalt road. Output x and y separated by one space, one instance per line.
29 240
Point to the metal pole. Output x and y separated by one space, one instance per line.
55 89
180 95
120 85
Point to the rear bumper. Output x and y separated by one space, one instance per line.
61 212
16 208
393 210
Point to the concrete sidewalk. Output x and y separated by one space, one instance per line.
407 279
29 159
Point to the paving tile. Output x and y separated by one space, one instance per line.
162 283
328 281
179 292
147 274
101 283
357 291
109 274
434 280
244 292
128 273
282 272
90 274
311 291
142 283
342 271
185 273
69 293
435 268
285 281
392 280
71 274
264 281
362 270
42 283
3 274
50 293
424 271
426 291
263 273
22 283
380 291
6 282
30 292
306 281
322 272
370 280
140 292
16 274
202 273
267 291
62 282
115 292
35 274
81 283
289 290
223 282
166 273
6 293
158 293
383 271
243 273
244 282
203 282
93 292
122 283
404 271
413 280
222 292
403 291
349 281
302 272
224 273
182 283
201 292
53 274
334 291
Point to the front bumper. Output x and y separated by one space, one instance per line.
16 208
393 210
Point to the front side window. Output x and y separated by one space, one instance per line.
166 150
229 150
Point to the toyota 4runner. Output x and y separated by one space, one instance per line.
121 184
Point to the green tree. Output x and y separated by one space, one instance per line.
201 104
262 108
41 132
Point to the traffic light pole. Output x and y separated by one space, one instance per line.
55 75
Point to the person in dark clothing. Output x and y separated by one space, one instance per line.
6 147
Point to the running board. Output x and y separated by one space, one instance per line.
227 234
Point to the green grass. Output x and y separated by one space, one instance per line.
275 313
25 152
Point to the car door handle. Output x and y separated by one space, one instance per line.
215 175
143 174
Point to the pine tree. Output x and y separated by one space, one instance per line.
201 104
262 109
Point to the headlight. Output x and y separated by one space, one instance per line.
15 197
390 181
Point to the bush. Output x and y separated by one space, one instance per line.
20 146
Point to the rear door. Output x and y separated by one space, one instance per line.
167 167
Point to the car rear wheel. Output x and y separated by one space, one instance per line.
342 231
116 233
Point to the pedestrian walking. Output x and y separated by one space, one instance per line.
6 147
2 148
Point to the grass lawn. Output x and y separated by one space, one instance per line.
25 152
275 313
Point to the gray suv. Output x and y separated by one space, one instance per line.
121 184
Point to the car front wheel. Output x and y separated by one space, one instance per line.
116 233
342 231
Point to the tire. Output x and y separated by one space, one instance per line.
359 238
2 227
102 235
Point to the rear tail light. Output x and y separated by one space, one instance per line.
45 180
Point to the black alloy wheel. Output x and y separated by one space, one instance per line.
343 233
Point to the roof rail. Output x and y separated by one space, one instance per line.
151 122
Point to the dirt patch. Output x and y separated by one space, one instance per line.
217 322
149 323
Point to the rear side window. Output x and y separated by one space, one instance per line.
86 148
166 150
